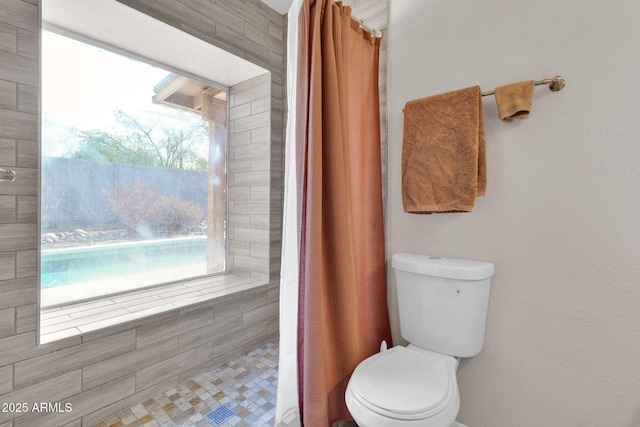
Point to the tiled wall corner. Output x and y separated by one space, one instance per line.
105 371
250 145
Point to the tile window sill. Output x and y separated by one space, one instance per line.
71 320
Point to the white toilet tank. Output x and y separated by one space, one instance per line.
443 302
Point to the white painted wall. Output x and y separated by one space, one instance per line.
561 218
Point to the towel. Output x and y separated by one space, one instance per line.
514 101
443 152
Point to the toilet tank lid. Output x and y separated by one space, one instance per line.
449 268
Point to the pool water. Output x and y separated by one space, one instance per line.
117 261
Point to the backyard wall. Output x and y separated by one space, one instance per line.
75 191
133 361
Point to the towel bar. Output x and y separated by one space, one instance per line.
555 84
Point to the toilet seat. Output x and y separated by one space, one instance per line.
405 383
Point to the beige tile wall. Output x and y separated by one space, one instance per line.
102 372
249 184
249 177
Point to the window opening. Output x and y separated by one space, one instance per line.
133 182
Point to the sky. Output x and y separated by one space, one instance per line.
83 85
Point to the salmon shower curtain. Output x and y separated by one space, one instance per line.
333 287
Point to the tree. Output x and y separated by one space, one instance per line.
137 143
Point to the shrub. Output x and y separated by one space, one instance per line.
144 210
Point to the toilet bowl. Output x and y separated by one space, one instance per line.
442 305
404 386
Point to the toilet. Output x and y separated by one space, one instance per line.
443 305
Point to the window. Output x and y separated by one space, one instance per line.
133 185
109 26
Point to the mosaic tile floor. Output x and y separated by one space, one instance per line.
245 386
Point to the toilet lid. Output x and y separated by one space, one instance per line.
404 383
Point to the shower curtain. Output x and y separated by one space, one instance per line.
333 307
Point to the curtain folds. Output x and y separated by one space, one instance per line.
333 286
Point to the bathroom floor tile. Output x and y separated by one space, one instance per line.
246 384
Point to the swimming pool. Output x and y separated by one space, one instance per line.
178 258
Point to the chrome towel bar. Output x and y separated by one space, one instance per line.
555 84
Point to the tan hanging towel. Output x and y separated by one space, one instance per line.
514 101
443 152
